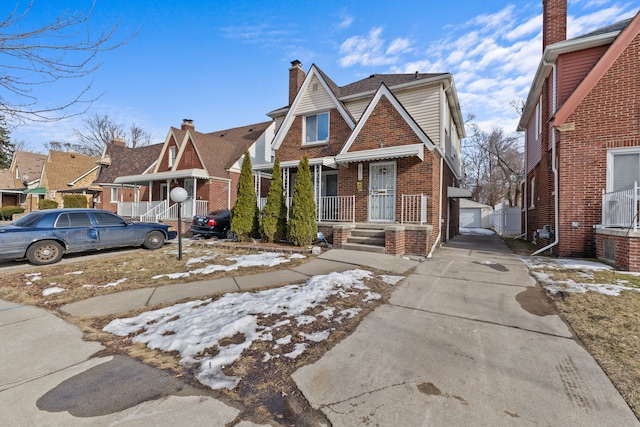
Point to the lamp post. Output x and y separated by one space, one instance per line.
179 195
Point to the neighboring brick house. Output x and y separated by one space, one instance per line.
582 136
384 154
204 164
19 185
119 160
66 172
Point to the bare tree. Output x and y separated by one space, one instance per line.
494 166
44 54
101 130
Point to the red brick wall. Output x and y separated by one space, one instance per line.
189 159
607 118
292 149
627 249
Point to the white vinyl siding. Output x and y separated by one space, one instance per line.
356 108
424 106
316 98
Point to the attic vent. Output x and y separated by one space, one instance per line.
250 130
372 76
314 87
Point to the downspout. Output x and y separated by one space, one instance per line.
439 237
554 168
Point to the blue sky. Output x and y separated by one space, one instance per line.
225 64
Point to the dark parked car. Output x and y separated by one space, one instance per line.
44 236
215 223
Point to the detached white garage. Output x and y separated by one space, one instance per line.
474 214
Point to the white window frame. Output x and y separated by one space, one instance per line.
611 153
532 190
304 128
114 194
539 118
172 156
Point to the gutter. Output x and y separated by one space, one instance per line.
554 167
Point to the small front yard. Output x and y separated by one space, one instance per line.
243 346
602 306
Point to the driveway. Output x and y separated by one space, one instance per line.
468 338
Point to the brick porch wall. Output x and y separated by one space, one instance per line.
626 248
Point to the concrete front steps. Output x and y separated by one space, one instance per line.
366 239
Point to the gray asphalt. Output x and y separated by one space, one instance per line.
468 338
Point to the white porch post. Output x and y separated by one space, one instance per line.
285 188
317 189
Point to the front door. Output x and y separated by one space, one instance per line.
382 192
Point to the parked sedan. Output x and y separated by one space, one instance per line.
42 237
215 223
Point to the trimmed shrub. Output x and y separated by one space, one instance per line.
244 215
74 201
6 212
47 204
273 218
303 224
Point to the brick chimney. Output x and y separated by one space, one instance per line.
554 22
296 77
187 124
118 141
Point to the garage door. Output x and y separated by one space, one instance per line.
470 218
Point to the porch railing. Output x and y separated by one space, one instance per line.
153 215
620 208
337 208
414 209
135 209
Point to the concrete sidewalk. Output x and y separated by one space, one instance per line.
468 339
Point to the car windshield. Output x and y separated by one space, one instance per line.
222 214
29 220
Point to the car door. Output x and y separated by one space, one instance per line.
76 230
115 231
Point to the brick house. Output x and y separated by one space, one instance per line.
384 154
19 185
119 160
66 172
582 138
206 165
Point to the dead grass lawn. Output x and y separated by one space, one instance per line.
608 326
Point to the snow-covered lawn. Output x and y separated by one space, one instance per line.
477 231
210 335
546 270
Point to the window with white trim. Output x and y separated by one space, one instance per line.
623 167
532 190
172 156
316 128
114 195
539 117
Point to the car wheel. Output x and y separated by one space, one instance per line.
44 252
154 240
231 235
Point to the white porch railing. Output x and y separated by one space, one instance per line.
414 209
620 208
135 209
164 211
337 208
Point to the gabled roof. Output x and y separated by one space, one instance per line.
218 151
127 161
600 37
62 168
605 62
383 91
28 163
329 86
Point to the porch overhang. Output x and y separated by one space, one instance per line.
329 162
162 176
382 153
453 192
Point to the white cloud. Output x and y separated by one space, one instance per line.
370 50
345 21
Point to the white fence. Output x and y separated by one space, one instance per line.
507 221
620 208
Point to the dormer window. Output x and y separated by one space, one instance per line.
316 128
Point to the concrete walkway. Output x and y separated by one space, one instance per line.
467 339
